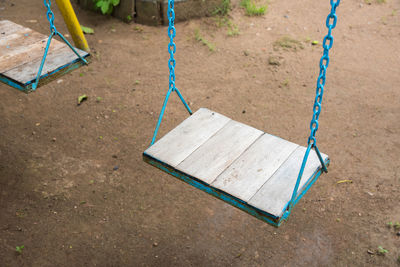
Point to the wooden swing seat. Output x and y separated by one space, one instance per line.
21 52
243 166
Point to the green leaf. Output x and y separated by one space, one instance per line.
105 7
19 249
115 2
81 99
87 30
99 3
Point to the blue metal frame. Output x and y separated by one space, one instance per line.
26 87
53 32
331 21
236 202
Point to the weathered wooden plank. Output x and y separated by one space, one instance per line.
9 27
18 55
19 41
215 155
7 39
277 191
179 143
254 167
27 72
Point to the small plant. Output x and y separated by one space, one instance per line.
233 29
381 251
223 9
106 6
19 249
233 32
204 41
398 259
21 213
285 83
138 29
128 18
288 43
397 225
369 2
389 224
252 9
274 61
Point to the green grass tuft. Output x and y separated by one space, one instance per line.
204 41
381 251
223 9
252 9
288 43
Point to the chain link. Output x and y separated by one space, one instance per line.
50 15
327 44
171 46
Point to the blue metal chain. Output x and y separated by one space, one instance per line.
171 46
50 15
323 65
327 44
171 66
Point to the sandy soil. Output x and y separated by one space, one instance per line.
61 198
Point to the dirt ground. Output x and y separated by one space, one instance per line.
74 190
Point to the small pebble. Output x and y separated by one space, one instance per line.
244 111
54 139
155 244
116 168
398 234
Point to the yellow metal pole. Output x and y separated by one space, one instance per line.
73 25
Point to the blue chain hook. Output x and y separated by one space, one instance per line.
171 66
53 32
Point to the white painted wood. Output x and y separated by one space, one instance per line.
7 41
9 27
54 60
215 155
277 191
179 143
254 167
18 55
